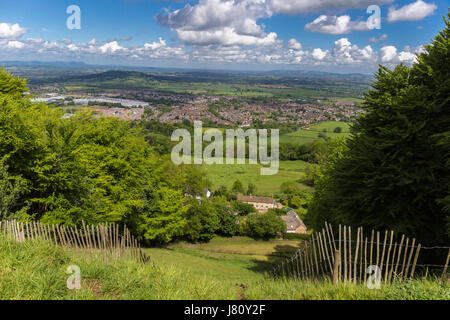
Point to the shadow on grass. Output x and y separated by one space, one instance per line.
280 253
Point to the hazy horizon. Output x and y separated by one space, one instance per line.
339 36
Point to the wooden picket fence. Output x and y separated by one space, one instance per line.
104 241
345 256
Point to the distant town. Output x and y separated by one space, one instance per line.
221 110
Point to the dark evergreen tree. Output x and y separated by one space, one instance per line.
395 172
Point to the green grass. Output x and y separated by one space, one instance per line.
231 260
223 174
307 136
37 270
289 171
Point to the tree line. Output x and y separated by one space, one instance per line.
65 171
393 172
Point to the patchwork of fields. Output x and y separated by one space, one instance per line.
289 171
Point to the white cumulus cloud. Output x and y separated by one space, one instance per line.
15 44
411 12
227 22
388 54
294 44
235 22
319 54
155 45
11 31
336 25
111 47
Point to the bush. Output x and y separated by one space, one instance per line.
242 208
237 187
278 212
202 222
264 226
227 220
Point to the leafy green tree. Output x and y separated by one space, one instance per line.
289 187
337 130
264 226
10 85
98 170
278 212
251 189
227 219
202 221
395 172
222 191
295 197
312 173
195 181
165 219
300 201
11 188
237 187
242 208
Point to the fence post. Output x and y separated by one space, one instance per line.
409 258
446 265
415 261
345 254
337 262
355 273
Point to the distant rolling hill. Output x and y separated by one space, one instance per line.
110 75
310 79
80 76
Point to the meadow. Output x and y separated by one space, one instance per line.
289 171
231 260
36 269
310 135
223 174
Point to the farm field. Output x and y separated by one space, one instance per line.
307 136
289 171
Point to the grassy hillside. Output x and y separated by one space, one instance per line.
37 270
237 259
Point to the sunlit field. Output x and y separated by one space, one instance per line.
223 174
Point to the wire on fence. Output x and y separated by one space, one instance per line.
106 242
337 255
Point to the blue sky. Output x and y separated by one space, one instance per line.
329 35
